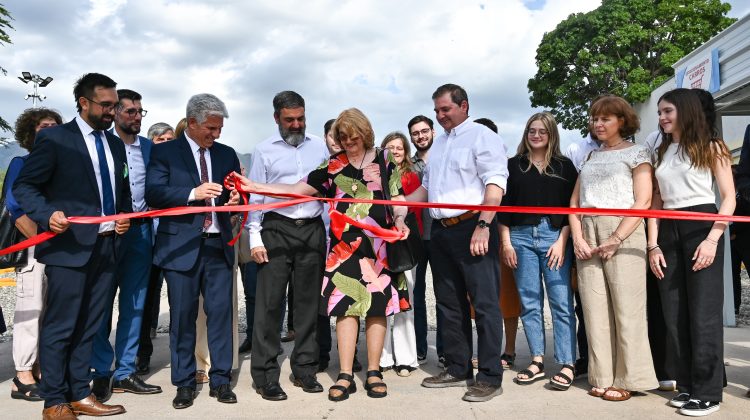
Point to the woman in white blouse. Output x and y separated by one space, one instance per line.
687 255
611 254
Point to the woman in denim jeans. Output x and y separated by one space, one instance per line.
536 245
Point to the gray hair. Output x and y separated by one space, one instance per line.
158 129
204 105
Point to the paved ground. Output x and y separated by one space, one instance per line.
406 396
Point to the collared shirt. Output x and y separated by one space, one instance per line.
88 137
579 151
463 161
419 166
214 228
276 162
136 172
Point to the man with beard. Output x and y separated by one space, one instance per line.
422 133
289 245
76 169
133 268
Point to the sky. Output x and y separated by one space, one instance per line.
384 57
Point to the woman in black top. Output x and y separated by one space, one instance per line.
536 246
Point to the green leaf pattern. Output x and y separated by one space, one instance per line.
355 290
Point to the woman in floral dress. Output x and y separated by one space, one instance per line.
356 282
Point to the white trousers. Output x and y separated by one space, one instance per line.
400 347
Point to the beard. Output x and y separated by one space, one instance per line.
100 122
423 148
132 129
292 138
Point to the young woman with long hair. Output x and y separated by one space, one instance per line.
536 245
687 256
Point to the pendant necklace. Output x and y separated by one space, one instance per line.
354 185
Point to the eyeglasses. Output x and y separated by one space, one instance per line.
106 107
424 132
541 132
133 111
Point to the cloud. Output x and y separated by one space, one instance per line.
385 57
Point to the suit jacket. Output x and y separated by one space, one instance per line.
59 175
171 175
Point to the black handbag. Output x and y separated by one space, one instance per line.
9 236
402 255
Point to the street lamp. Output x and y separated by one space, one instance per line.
38 82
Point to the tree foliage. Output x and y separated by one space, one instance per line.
624 47
5 19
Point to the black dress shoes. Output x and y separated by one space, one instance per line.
102 388
135 385
142 365
308 384
272 392
223 394
184 398
246 345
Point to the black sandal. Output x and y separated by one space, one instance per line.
531 377
345 391
370 386
567 380
508 359
26 392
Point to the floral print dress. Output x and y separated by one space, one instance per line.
357 281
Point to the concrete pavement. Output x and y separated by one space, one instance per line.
406 397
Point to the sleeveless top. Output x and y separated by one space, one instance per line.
682 185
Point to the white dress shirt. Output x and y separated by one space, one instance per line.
88 137
136 172
214 228
462 163
276 162
578 152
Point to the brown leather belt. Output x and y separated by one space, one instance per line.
107 233
452 221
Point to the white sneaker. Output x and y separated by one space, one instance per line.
667 385
680 400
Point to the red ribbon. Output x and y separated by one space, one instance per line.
339 220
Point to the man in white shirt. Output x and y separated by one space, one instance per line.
289 245
467 165
578 152
132 269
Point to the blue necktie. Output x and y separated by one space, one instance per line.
108 201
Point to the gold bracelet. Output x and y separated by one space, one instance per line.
618 237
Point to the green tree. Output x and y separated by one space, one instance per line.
623 47
5 19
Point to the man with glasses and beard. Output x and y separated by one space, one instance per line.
422 133
76 169
289 245
132 270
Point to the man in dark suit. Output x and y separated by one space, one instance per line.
192 249
76 169
133 269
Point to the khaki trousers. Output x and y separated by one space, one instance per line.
613 295
31 286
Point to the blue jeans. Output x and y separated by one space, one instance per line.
531 244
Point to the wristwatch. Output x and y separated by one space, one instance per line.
481 224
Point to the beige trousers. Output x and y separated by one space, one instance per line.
613 296
31 286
